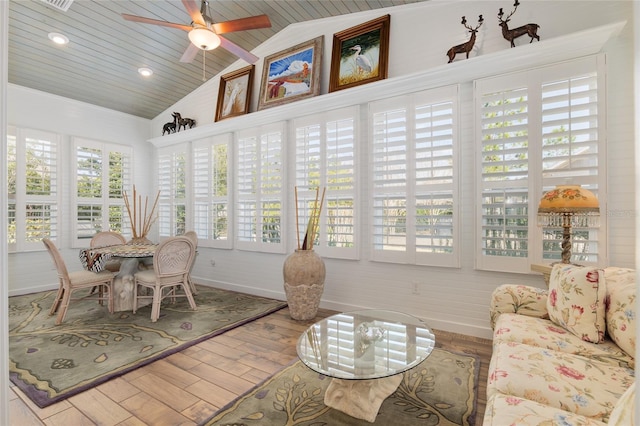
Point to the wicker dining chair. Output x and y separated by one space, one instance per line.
108 238
171 262
72 281
193 236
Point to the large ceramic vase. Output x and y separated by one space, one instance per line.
304 274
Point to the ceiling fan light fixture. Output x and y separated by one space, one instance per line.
58 38
204 38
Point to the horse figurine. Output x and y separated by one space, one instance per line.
183 122
170 127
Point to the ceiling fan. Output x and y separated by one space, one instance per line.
204 34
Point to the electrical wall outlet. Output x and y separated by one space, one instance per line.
415 287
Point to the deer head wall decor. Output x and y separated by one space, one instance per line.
511 35
465 47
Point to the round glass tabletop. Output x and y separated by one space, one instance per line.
368 344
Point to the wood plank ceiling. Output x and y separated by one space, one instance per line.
99 65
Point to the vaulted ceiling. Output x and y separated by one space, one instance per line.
99 65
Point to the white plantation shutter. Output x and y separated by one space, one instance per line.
103 174
12 161
571 151
259 171
172 184
211 191
538 129
415 178
325 162
504 179
33 188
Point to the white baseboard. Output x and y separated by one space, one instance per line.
35 289
452 327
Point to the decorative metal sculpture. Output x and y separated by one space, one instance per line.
511 35
183 122
465 47
170 127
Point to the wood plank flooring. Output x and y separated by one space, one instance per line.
188 387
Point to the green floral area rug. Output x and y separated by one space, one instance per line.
50 363
440 391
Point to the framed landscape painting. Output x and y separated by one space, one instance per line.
291 74
234 94
360 54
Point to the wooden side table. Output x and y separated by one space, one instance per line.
545 270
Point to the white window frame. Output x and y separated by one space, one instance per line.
105 201
269 141
22 199
168 173
320 157
537 181
204 196
404 168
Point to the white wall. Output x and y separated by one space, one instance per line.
450 299
33 109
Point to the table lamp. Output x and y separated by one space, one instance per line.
568 206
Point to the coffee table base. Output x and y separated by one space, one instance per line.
360 398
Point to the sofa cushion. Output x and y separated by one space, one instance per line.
576 300
620 307
512 410
568 382
545 334
624 412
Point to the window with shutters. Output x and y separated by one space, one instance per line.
103 175
172 184
32 188
211 187
538 129
325 166
414 178
259 189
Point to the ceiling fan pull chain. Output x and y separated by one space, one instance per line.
204 78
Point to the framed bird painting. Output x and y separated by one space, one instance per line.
360 54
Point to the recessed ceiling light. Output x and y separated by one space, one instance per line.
58 38
145 72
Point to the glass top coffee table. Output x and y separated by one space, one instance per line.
364 352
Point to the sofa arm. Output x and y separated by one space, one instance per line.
518 299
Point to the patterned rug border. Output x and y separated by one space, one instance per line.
42 400
241 398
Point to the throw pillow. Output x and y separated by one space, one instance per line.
621 307
576 300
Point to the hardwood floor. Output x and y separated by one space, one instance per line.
188 387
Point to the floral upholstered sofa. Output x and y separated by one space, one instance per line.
564 356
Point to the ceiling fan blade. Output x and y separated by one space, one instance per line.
143 20
238 51
251 23
190 54
194 11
